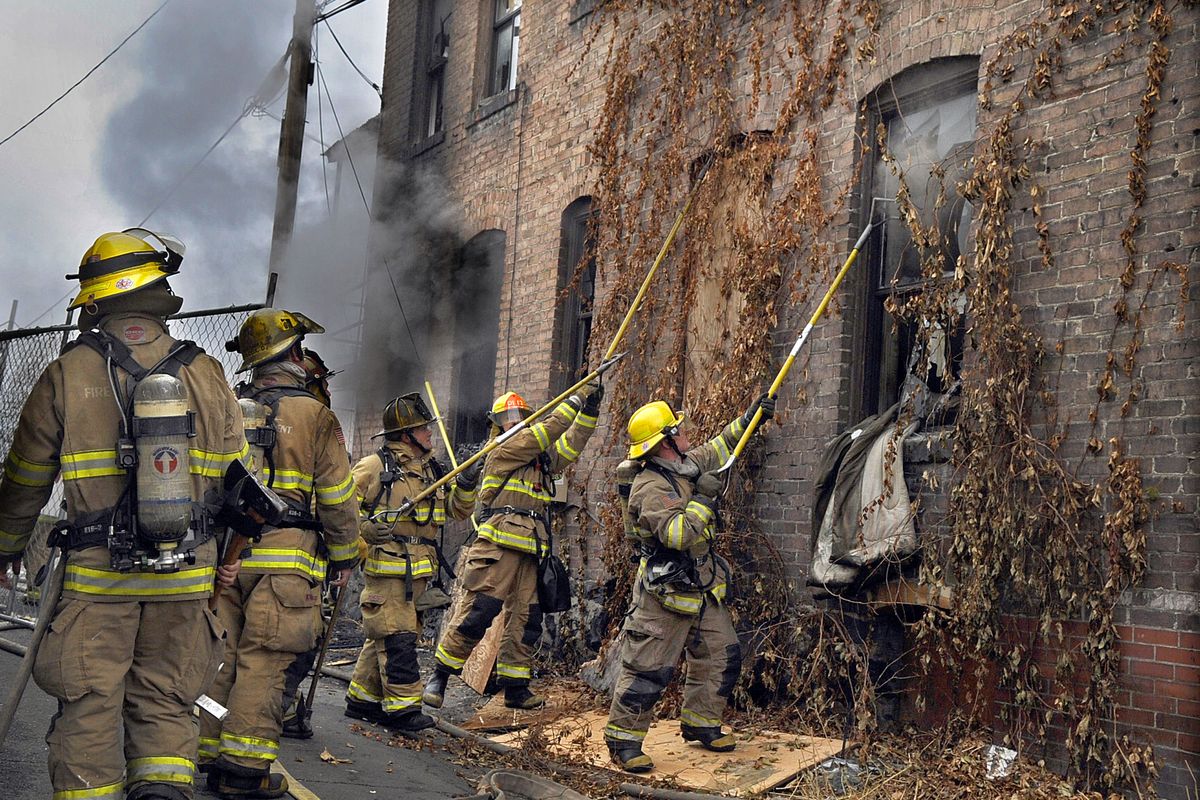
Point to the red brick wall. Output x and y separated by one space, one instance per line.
534 150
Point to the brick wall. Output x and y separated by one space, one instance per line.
514 164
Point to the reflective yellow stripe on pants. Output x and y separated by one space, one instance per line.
249 747
160 769
110 791
285 559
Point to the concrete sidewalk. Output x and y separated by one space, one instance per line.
375 769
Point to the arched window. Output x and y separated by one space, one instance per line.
576 276
476 285
928 117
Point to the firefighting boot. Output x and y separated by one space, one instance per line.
709 738
411 721
296 723
359 709
155 791
629 756
519 696
267 785
435 691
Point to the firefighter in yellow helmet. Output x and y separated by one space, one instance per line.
132 643
513 512
403 559
670 493
273 611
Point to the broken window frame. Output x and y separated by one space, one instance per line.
436 55
506 31
886 344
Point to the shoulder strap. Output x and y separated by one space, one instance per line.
670 476
387 476
270 396
109 346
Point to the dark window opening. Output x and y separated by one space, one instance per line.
928 115
577 278
477 282
506 35
434 52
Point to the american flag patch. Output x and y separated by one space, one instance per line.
341 437
671 500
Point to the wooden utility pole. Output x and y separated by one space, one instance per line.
291 135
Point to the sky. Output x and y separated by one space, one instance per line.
111 151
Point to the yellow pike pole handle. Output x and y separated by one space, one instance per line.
437 415
662 253
407 505
787 364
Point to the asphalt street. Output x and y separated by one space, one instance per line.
365 766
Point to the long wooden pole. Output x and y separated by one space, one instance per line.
437 415
787 364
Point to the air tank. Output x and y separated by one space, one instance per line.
164 479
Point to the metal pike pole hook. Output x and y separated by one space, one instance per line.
56 567
787 364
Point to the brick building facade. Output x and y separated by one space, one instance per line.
482 198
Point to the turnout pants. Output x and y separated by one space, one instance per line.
387 671
495 579
140 665
654 639
273 620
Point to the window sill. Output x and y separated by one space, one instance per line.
493 105
427 144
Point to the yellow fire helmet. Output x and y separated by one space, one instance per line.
509 407
119 263
649 425
267 333
405 412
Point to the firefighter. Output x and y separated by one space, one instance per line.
273 611
679 593
132 643
513 513
296 724
403 557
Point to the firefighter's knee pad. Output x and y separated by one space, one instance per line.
484 609
533 626
401 650
645 689
733 668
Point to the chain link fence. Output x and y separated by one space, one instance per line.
24 355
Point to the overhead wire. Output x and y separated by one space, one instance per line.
361 74
367 206
87 75
53 306
245 111
349 4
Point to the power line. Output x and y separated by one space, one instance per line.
53 306
321 125
87 75
361 74
367 206
349 4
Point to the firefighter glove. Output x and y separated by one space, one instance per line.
709 484
591 406
468 479
766 403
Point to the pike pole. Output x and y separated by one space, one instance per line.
56 567
662 253
437 415
325 640
408 504
787 364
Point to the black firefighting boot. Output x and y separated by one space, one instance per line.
296 723
519 696
155 791
265 785
709 738
410 721
435 691
629 756
360 709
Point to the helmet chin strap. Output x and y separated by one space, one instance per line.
413 441
675 447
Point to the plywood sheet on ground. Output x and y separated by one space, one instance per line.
761 761
562 698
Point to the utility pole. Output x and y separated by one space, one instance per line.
291 136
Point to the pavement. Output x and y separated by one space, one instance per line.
370 762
